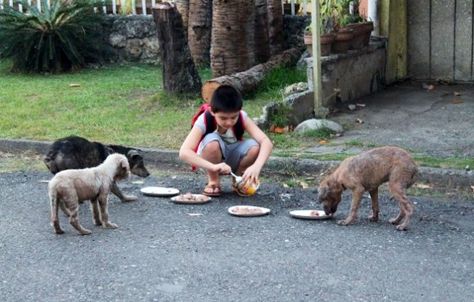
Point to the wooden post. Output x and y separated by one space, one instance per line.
393 15
179 72
319 110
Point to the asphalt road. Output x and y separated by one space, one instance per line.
162 253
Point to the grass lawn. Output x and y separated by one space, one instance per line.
121 104
125 104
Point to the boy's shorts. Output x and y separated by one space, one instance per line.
232 153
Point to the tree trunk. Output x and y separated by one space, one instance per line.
232 36
248 81
183 9
199 30
275 26
262 49
179 73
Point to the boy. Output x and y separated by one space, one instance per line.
222 150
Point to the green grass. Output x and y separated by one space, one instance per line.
125 104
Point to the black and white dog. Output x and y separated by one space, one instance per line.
74 152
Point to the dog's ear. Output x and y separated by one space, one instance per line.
335 186
322 194
133 154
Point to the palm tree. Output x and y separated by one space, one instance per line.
199 30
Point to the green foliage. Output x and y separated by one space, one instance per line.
65 36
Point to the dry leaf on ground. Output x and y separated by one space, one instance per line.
423 186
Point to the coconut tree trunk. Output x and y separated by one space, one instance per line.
199 30
248 80
262 49
179 73
275 26
183 9
232 45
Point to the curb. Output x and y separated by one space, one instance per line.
450 178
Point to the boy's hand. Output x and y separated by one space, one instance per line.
251 174
222 168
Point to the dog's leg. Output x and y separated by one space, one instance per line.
54 214
74 220
374 197
119 194
104 214
95 212
356 197
406 207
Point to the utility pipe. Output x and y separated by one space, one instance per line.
373 15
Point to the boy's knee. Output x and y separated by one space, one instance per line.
253 152
212 148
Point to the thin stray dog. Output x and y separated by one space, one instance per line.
366 172
68 188
74 152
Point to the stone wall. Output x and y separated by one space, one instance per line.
134 39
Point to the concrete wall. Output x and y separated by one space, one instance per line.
440 40
346 77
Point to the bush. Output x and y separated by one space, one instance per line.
63 37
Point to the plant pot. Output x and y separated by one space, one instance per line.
287 8
325 40
343 40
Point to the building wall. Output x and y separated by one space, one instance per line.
440 40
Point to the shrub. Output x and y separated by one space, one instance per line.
65 36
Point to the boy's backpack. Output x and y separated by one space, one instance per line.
210 122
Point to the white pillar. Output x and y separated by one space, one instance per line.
373 15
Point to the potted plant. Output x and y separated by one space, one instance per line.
326 39
352 20
328 10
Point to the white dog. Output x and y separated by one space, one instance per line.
68 188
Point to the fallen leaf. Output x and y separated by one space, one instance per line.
423 186
323 142
457 101
428 87
304 184
74 85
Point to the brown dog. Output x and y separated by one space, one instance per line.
366 172
70 187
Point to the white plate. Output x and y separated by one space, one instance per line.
248 211
309 214
189 198
159 191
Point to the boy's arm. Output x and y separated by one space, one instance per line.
187 153
266 147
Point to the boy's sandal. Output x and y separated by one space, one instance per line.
212 190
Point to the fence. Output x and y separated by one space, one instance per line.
135 7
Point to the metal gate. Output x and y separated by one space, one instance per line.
440 39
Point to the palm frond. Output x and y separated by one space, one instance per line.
64 36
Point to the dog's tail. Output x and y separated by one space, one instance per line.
54 203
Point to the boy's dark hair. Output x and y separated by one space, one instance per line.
226 99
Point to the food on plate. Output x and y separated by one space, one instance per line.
314 213
190 197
